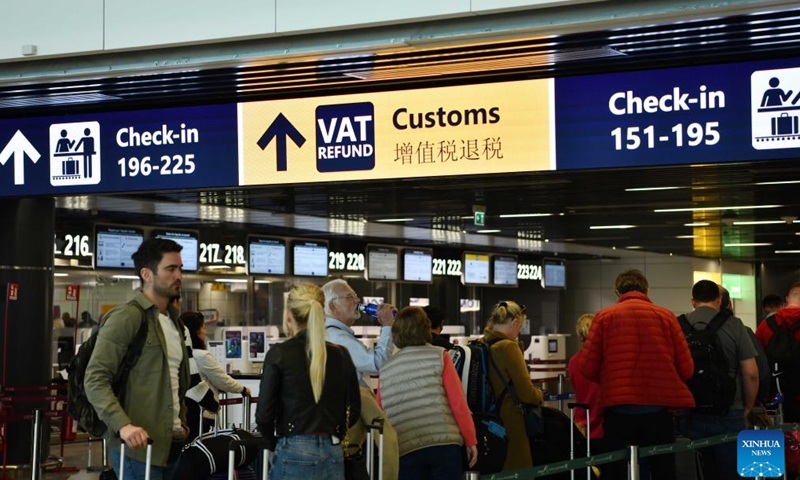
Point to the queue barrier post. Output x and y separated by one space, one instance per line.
634 463
560 390
36 445
223 414
246 412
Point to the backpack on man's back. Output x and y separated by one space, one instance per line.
78 405
714 390
783 353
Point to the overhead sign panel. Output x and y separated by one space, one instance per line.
710 114
462 130
188 147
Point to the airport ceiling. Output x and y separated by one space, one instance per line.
571 202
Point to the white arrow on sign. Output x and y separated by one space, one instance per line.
19 146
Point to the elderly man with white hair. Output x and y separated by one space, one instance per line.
341 312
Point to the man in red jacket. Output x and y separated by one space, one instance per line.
637 352
785 319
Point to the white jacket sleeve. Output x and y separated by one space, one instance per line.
214 374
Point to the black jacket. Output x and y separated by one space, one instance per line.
286 401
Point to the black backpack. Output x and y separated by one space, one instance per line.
783 353
713 389
78 405
489 428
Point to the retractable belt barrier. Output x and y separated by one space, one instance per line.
224 402
26 394
618 455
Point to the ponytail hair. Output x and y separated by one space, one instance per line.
305 304
505 312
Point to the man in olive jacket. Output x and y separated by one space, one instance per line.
152 405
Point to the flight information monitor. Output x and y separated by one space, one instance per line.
417 265
476 269
187 240
310 258
382 263
554 273
115 245
505 270
266 256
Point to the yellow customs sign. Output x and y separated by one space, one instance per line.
462 130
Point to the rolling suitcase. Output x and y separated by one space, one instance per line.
591 473
148 460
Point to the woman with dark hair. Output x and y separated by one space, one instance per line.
308 396
424 400
210 371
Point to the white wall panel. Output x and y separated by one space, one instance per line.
483 6
157 22
55 27
304 15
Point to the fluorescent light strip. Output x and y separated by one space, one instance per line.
61 274
523 215
698 224
747 244
704 209
760 222
386 220
611 227
652 189
784 182
687 236
231 280
488 231
126 277
787 251
634 247
218 267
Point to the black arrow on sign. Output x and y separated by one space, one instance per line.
279 130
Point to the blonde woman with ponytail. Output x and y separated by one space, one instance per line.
502 329
308 396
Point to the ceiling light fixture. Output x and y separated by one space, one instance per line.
523 215
125 277
488 231
611 227
686 236
57 274
787 251
760 222
634 247
231 280
704 209
652 189
218 267
747 245
698 224
387 220
783 182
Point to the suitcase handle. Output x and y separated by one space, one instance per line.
148 460
234 445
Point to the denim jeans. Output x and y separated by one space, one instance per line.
441 462
719 461
307 457
134 469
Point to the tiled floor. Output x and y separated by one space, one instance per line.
75 458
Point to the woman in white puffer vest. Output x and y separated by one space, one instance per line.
424 400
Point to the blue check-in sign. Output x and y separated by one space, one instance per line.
760 453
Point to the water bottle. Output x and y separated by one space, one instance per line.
371 309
